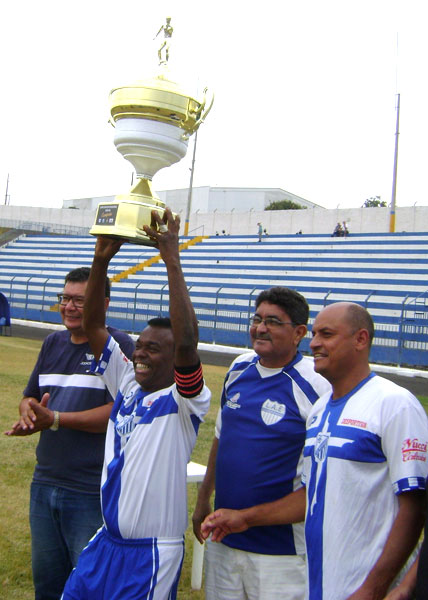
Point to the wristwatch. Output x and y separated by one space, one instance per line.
55 424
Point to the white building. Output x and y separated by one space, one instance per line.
208 199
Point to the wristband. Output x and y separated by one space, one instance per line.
55 424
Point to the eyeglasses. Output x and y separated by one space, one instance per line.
78 301
270 322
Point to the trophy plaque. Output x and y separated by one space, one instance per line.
153 121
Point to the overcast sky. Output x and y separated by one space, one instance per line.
305 95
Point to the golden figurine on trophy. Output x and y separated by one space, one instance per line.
153 121
167 32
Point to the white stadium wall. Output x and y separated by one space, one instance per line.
234 222
310 221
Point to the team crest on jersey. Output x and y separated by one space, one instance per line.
272 412
125 425
321 446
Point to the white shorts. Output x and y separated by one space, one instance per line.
237 575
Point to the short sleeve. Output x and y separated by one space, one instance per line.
405 445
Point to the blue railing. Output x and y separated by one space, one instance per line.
401 326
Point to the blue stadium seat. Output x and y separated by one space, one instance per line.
387 273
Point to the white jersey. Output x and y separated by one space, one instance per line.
149 441
360 452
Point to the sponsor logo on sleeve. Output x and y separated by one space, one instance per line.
414 449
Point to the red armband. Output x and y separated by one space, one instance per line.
189 380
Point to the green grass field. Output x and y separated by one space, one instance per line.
17 358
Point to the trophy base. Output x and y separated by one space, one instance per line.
125 220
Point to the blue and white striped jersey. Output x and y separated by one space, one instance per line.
70 458
150 438
360 451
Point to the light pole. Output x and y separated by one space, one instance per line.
394 178
189 196
6 196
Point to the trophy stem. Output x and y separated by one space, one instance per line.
143 189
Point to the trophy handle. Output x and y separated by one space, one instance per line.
203 115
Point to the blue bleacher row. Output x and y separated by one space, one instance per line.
387 273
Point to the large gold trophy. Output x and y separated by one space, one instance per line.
153 122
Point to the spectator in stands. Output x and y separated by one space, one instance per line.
160 401
256 453
71 408
338 231
364 470
345 229
260 231
265 232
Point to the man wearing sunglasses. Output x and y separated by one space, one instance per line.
256 454
70 407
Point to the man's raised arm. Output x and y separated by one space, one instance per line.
94 319
183 319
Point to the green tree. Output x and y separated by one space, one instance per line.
374 201
284 205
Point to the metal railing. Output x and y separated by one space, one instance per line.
401 327
40 227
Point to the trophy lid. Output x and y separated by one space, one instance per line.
159 99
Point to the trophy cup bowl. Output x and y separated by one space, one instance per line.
153 122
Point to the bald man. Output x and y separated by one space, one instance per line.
365 465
